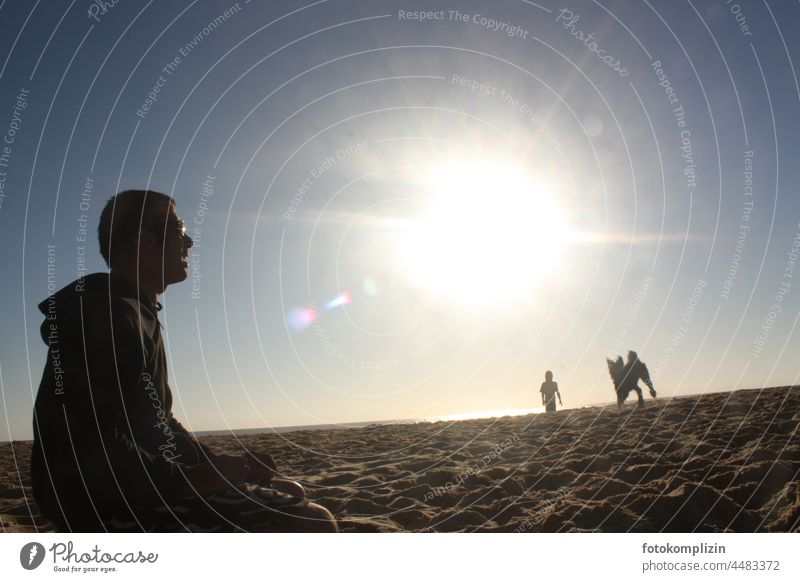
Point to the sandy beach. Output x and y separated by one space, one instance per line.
711 463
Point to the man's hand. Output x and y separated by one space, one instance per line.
228 471
234 469
262 467
205 478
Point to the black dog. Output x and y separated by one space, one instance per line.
626 377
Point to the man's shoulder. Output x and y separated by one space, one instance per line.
109 308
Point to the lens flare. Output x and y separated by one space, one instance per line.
300 318
342 299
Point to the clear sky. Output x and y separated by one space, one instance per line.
490 189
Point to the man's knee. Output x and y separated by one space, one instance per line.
315 518
292 488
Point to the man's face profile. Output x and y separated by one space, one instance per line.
166 246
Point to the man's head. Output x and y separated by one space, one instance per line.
632 357
141 234
548 376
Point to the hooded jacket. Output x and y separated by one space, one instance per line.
106 445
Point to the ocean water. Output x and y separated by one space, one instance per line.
283 429
347 425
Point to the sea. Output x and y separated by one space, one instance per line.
349 425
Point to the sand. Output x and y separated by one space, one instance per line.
710 463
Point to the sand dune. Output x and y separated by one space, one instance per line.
710 463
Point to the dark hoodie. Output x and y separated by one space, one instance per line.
106 445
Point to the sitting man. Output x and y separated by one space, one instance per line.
108 454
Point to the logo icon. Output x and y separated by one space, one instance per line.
31 555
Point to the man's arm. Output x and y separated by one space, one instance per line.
222 470
112 372
202 450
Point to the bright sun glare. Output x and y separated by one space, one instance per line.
488 234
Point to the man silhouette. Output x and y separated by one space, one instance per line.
108 454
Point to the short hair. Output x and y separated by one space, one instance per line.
123 218
548 375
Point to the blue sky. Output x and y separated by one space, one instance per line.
319 125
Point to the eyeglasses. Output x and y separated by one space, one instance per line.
177 224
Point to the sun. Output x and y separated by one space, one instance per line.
488 234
